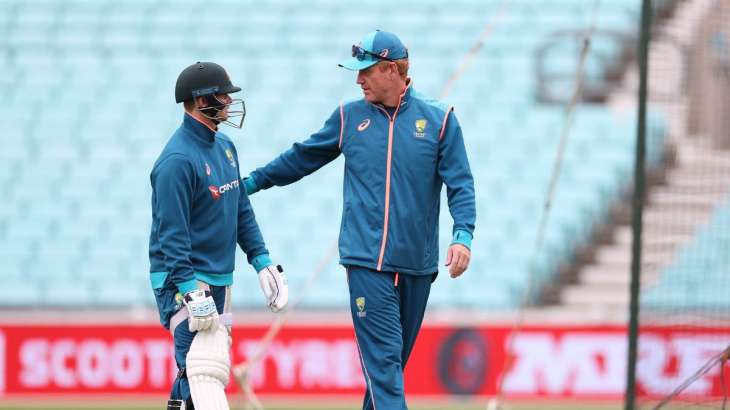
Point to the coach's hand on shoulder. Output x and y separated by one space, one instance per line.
274 285
202 312
457 259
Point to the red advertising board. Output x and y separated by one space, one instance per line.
558 362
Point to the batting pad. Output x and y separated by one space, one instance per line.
209 368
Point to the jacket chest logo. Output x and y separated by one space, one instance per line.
231 160
364 125
420 128
214 192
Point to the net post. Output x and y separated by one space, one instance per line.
638 206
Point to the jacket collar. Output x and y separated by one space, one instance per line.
406 96
198 130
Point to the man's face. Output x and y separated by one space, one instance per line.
222 114
225 99
376 81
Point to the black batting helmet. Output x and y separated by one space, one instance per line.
201 79
206 80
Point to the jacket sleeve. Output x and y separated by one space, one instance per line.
249 235
453 167
303 158
174 185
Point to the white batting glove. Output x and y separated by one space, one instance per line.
201 309
274 285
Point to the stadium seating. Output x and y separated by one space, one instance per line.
697 278
89 90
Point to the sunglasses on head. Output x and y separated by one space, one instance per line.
361 54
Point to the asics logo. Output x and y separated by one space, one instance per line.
363 125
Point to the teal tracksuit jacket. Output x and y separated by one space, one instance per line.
200 211
396 162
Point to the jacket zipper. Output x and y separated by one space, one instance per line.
391 124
